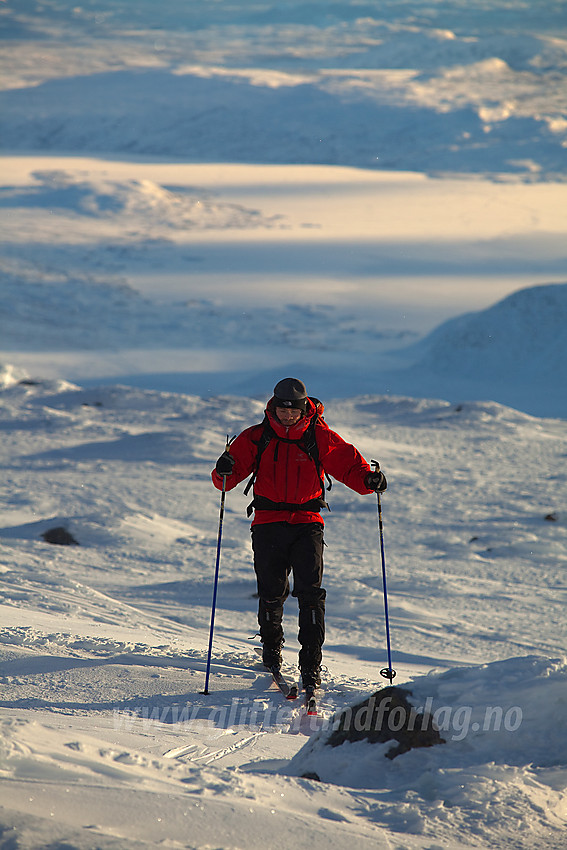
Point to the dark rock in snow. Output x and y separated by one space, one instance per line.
59 536
311 775
386 716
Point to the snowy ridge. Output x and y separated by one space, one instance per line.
512 351
523 334
330 120
448 88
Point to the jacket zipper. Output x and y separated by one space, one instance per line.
288 483
288 446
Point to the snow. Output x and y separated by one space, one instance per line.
519 342
372 84
196 200
507 335
192 278
104 644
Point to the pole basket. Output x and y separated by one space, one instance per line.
388 673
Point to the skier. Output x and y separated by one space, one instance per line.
289 454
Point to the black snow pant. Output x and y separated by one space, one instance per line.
281 549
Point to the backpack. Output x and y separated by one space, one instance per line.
308 444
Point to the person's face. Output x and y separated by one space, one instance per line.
288 416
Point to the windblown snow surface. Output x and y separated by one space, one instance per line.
107 740
198 199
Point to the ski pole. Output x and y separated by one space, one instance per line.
388 672
216 579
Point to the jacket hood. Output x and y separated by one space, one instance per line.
295 431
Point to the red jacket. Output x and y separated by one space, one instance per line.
287 473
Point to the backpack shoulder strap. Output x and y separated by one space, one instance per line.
311 448
265 437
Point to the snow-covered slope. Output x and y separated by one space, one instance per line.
461 87
135 272
525 334
514 351
106 739
497 750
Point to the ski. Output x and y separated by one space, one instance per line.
288 689
310 702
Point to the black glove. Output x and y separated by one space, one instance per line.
225 464
376 481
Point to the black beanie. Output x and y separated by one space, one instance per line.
291 392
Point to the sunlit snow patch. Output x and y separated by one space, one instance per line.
82 194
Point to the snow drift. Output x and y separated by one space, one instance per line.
506 735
